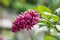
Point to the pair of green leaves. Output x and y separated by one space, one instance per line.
46 13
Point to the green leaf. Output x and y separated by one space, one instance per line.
43 21
48 37
46 15
42 9
55 18
46 22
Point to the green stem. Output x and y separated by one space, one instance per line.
56 29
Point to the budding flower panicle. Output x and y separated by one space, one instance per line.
25 21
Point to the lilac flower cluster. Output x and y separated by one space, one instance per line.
25 21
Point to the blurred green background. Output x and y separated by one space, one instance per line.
9 10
